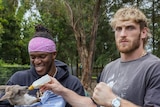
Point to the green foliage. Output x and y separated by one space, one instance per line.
1 62
15 32
27 33
10 36
10 40
6 71
4 75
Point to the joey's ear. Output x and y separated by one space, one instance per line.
6 96
3 87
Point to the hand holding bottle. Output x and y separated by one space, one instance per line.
54 86
40 82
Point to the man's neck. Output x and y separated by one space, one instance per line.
52 71
133 55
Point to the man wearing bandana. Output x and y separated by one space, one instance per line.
42 53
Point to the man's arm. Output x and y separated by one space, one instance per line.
70 96
76 100
104 96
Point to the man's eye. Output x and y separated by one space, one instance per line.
118 29
42 56
130 27
32 57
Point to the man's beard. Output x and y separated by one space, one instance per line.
130 48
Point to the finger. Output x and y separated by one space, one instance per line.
42 89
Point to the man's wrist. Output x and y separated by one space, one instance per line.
116 102
93 101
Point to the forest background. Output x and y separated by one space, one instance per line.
84 38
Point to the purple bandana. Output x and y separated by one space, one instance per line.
41 44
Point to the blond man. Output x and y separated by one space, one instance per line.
132 80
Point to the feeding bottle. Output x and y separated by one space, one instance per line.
41 81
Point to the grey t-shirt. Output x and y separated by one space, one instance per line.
137 81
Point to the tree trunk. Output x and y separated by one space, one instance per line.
85 52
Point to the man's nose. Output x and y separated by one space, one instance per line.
37 60
123 33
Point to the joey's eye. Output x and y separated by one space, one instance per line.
19 92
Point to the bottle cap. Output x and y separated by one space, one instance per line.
30 87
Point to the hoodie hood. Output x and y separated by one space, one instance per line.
62 69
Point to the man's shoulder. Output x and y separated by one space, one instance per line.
69 79
60 63
151 59
74 83
73 78
19 77
22 72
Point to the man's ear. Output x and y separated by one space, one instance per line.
54 55
144 32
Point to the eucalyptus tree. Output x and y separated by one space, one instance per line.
84 19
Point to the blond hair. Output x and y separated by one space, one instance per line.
134 14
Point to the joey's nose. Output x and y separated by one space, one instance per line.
25 87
